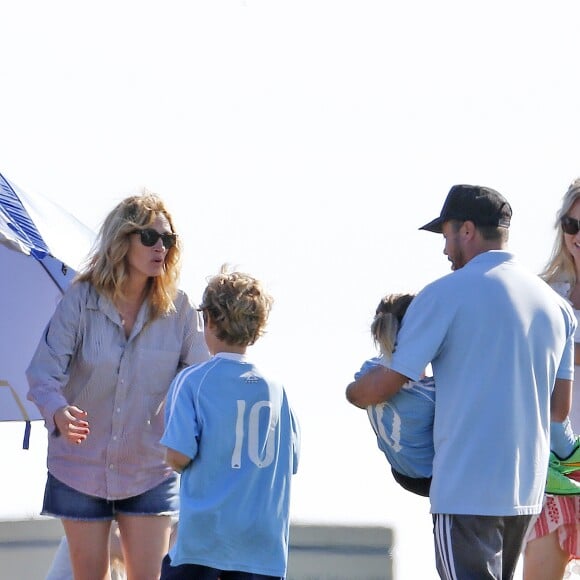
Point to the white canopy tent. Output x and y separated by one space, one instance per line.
41 245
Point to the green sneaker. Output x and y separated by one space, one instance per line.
568 465
558 484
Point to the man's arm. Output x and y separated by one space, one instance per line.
374 387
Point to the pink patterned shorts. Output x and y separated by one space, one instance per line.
561 513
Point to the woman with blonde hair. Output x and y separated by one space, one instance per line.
554 539
404 424
100 376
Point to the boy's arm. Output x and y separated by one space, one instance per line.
376 386
177 461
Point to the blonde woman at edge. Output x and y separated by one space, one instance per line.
554 540
100 376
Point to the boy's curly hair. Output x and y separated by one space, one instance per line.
238 306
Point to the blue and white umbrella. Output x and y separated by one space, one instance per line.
40 245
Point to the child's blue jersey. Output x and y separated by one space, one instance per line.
237 427
404 424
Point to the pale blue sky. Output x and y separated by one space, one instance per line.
304 142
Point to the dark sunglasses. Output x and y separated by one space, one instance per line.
570 225
149 238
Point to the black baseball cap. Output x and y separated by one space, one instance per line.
481 205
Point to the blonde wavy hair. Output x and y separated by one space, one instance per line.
238 305
387 322
560 267
106 267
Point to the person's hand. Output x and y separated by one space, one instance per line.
71 423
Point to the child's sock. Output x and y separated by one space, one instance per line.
562 438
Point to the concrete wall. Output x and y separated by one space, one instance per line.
316 552
27 548
340 553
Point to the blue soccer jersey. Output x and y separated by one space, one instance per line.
404 424
243 438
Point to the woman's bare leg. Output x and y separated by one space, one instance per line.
89 548
145 541
544 559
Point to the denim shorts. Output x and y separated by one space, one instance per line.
62 501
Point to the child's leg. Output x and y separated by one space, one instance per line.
417 485
562 438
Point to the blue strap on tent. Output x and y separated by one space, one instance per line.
19 221
25 416
26 440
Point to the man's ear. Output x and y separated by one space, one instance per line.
468 229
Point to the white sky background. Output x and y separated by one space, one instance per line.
304 142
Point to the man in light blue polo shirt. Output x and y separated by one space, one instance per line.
501 345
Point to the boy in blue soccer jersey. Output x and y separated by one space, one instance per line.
404 424
232 434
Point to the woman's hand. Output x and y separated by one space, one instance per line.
71 423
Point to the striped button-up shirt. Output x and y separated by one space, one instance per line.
84 359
